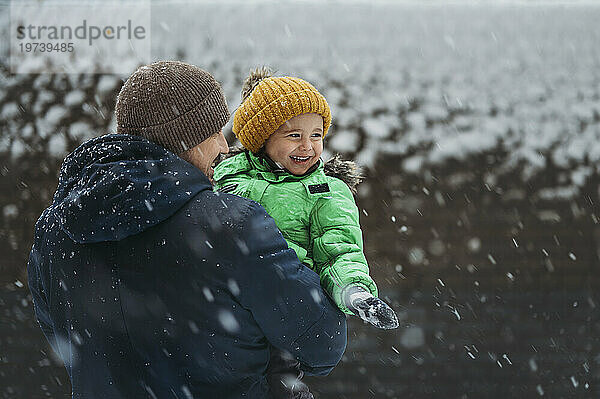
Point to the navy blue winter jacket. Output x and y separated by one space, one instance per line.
149 285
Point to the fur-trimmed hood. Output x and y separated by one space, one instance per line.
347 171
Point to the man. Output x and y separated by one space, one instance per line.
150 285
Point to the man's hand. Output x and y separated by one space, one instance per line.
370 308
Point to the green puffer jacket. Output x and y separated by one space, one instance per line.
316 214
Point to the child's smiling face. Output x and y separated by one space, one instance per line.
298 143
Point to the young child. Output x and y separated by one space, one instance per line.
281 124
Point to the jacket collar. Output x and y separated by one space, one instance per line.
264 168
262 161
260 167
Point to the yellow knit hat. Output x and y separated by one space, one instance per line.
271 102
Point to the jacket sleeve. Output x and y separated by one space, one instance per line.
38 293
337 245
286 298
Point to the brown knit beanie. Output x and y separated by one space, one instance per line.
173 104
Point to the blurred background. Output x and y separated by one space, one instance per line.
478 126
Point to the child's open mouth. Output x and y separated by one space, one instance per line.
300 160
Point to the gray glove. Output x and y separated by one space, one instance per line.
370 308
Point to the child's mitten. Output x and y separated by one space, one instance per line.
370 308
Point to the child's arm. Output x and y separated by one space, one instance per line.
339 259
337 245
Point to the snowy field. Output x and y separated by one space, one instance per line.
505 97
479 128
426 83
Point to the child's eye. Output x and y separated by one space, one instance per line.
317 135
293 135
